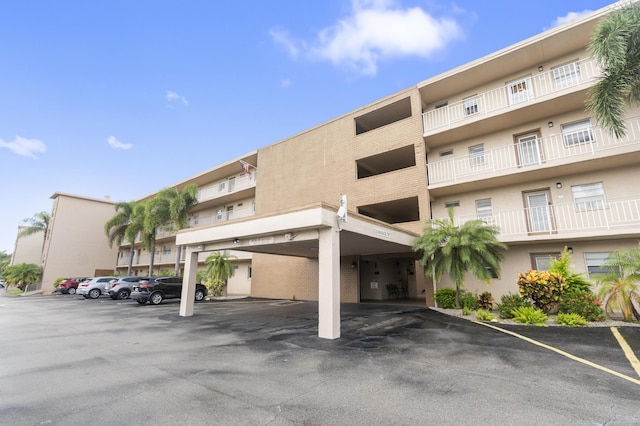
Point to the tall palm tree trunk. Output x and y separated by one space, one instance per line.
131 253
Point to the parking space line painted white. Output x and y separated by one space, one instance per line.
628 352
563 353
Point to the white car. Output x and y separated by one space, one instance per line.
92 288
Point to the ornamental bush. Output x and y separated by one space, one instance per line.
468 300
446 298
530 315
485 301
583 303
572 320
544 288
509 303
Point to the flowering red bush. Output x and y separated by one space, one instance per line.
583 303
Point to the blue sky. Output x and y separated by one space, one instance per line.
121 98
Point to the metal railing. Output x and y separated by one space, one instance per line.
530 153
228 186
529 89
564 218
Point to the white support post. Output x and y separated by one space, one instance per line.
189 283
329 284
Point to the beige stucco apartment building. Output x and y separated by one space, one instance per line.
330 214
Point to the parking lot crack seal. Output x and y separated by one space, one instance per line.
563 353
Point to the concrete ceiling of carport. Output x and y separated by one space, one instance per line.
296 234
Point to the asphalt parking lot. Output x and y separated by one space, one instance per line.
65 360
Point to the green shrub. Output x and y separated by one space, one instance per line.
57 282
530 315
466 310
543 287
484 315
572 320
582 303
468 300
485 301
446 298
562 267
510 302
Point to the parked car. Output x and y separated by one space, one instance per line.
92 288
69 285
121 288
155 290
3 284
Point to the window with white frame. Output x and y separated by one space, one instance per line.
470 105
566 75
542 261
520 91
589 196
219 214
595 262
484 209
195 219
221 186
577 133
166 249
476 155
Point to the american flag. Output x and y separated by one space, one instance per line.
245 166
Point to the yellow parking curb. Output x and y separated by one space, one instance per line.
563 353
628 352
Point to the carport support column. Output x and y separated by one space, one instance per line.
189 283
329 284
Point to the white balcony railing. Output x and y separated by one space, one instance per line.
565 219
513 95
222 216
227 186
534 152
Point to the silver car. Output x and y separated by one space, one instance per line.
92 288
121 287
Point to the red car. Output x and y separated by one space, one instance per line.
69 285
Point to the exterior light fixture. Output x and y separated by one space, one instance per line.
558 185
236 241
540 68
550 124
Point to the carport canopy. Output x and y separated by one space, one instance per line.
315 232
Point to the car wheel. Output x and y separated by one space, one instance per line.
123 294
199 295
142 302
94 293
71 290
156 298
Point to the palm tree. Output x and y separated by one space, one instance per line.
22 274
180 204
116 228
615 43
39 222
136 227
219 270
619 287
157 214
451 249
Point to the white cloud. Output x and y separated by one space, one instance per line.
175 98
569 17
25 147
116 144
376 30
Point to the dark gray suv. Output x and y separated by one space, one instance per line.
155 290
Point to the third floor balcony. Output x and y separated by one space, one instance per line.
527 98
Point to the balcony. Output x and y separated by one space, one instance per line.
221 216
563 221
228 186
515 95
533 154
